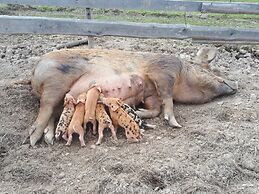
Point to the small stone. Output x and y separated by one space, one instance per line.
238 101
204 16
242 51
159 137
167 190
61 175
92 146
220 103
253 97
247 55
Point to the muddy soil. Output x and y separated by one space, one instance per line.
216 150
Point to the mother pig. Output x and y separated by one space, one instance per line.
135 77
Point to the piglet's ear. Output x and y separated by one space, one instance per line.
65 102
101 98
119 101
99 88
74 101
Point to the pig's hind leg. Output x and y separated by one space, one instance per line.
48 102
152 107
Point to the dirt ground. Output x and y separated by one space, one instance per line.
216 150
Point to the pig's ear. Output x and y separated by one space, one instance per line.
205 55
80 100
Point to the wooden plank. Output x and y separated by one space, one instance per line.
166 5
40 25
115 4
233 8
225 42
90 38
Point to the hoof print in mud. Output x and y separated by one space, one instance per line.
153 180
3 152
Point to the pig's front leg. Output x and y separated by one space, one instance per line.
164 86
49 131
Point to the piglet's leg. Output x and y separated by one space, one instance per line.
114 136
81 136
49 131
94 127
100 133
69 140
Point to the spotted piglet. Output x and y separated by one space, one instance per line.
104 121
121 118
66 116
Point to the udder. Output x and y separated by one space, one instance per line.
127 87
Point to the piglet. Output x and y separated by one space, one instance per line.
66 115
121 118
92 97
75 125
104 121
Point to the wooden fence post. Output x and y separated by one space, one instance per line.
90 38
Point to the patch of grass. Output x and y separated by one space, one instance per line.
223 20
145 16
3 6
48 8
244 1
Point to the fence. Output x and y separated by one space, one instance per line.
42 25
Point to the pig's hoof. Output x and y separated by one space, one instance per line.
64 136
49 135
35 136
142 132
58 135
172 122
49 138
83 145
175 125
32 129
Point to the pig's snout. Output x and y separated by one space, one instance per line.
228 87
